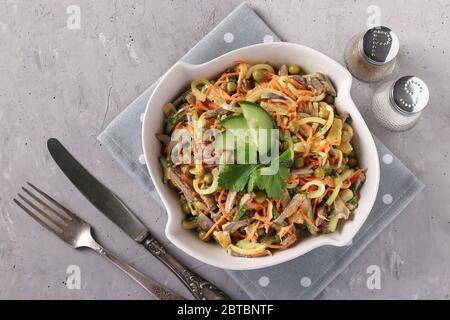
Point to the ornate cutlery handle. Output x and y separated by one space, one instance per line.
154 288
199 287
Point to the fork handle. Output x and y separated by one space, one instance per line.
157 290
200 288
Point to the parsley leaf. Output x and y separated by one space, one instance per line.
251 181
273 184
235 176
286 158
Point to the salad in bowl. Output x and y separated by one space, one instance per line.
315 183
259 156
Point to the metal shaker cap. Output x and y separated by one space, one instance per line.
410 94
379 45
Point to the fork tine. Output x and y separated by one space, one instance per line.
64 218
42 212
56 203
37 219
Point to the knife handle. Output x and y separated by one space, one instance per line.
199 287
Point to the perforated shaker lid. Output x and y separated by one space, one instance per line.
379 45
410 94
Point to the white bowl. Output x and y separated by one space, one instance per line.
178 79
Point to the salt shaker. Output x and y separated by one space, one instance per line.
397 105
370 56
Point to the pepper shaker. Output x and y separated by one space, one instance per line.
370 56
397 105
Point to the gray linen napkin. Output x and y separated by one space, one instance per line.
311 273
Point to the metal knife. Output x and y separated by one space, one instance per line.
116 210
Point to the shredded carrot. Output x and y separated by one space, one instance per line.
329 181
214 226
255 205
355 174
252 233
308 220
200 106
278 246
297 84
186 179
278 206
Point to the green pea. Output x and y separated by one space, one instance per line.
352 162
185 207
258 75
299 162
295 69
233 79
319 173
208 178
202 234
189 224
260 196
329 99
169 108
231 87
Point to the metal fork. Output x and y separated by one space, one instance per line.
77 233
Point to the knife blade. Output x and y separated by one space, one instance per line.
117 211
99 195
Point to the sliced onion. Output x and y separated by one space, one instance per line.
317 193
312 120
258 93
337 185
195 90
212 188
329 122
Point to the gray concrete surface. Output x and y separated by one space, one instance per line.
55 81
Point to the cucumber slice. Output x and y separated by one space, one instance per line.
230 123
235 122
233 125
258 118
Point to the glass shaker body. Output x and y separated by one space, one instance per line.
398 105
360 68
371 55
